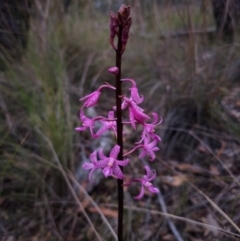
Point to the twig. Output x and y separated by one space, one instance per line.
155 212
170 223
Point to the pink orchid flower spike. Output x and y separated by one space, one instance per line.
146 182
134 91
92 99
108 124
112 164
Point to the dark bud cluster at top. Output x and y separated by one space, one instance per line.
120 22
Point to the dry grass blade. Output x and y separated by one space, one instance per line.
155 212
94 204
49 144
216 157
216 207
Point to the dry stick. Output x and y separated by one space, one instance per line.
182 219
94 203
67 181
170 223
119 131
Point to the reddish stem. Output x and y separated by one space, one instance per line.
119 131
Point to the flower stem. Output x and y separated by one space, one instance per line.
119 132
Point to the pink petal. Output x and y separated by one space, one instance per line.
101 164
151 154
101 155
90 175
107 171
153 189
143 154
152 144
148 171
117 172
133 82
135 96
152 175
87 166
114 152
155 119
123 163
101 131
111 115
93 157
140 195
81 128
138 113
91 99
132 119
155 137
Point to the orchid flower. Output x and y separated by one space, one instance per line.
135 113
109 123
146 182
94 165
148 148
148 129
88 123
92 99
134 92
112 164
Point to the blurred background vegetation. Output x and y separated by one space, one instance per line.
184 56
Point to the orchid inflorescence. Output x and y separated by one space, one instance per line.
147 144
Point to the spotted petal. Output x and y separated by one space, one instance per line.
114 152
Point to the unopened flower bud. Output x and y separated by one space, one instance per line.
113 28
113 70
125 33
124 12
